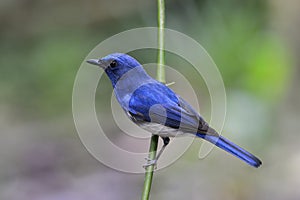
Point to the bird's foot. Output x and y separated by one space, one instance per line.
150 162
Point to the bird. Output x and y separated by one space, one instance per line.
158 109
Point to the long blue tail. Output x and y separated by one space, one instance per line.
232 148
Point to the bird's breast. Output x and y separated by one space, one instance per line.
159 129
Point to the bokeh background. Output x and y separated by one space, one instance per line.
254 43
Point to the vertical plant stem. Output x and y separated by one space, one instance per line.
160 77
149 169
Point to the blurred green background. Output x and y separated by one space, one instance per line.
254 43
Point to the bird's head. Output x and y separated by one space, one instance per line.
116 65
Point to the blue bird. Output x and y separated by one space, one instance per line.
156 108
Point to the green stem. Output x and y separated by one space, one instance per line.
149 169
160 77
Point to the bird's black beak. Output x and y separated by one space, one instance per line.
93 62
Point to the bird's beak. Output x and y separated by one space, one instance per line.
99 62
93 61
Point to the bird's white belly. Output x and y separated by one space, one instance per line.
161 130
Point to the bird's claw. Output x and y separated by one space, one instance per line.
150 162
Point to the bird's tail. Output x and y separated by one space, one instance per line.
232 148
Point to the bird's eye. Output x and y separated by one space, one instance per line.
113 64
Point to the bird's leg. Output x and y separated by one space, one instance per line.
166 141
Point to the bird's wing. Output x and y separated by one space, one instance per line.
189 110
161 105
175 116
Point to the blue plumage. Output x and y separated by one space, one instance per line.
155 107
232 148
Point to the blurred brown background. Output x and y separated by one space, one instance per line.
255 44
